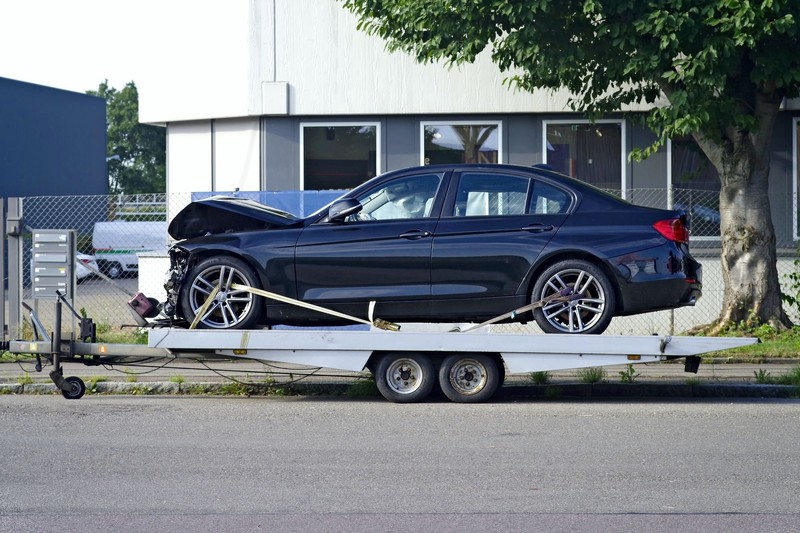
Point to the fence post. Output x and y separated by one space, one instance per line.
14 228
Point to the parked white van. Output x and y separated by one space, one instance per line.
117 243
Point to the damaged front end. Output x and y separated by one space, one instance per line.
217 215
178 268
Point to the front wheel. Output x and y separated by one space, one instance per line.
405 378
590 307
228 308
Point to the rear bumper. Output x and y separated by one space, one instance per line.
658 278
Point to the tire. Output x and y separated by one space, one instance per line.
230 309
113 270
405 378
77 390
589 314
469 378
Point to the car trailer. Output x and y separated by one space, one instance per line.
468 366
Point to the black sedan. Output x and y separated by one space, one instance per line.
455 243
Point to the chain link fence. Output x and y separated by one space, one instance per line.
113 233
127 238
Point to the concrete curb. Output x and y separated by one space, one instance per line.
507 392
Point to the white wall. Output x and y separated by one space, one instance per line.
205 63
188 163
237 154
306 57
332 68
189 157
219 155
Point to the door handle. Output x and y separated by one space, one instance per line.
415 234
538 228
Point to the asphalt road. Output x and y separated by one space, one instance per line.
122 463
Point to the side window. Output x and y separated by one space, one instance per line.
491 194
407 197
548 200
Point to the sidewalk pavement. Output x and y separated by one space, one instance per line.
715 379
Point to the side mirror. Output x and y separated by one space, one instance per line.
342 209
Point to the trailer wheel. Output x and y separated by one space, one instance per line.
405 378
469 378
230 309
77 388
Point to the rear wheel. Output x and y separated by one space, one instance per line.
592 306
469 378
405 377
229 308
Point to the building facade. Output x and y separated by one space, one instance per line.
289 95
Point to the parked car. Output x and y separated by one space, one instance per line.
445 243
85 266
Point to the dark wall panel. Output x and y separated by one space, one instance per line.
52 142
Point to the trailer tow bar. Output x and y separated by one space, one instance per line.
73 387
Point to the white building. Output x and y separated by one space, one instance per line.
288 94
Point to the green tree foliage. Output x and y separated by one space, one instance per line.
137 152
714 69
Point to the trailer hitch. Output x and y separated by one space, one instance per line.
71 387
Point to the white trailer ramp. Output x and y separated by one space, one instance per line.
469 367
407 365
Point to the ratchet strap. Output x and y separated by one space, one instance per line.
203 308
566 294
378 323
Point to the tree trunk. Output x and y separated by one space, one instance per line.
749 254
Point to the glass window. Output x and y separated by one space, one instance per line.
453 143
695 186
548 200
338 156
407 197
589 152
491 195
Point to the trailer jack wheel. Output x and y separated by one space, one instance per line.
72 388
469 378
405 378
77 388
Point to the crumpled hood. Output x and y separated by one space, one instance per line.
220 214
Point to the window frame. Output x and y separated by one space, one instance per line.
455 185
623 144
304 125
424 123
671 196
795 181
384 184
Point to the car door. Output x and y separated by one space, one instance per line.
381 253
494 226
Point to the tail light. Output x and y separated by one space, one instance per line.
673 229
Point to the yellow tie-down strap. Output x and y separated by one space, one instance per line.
376 322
